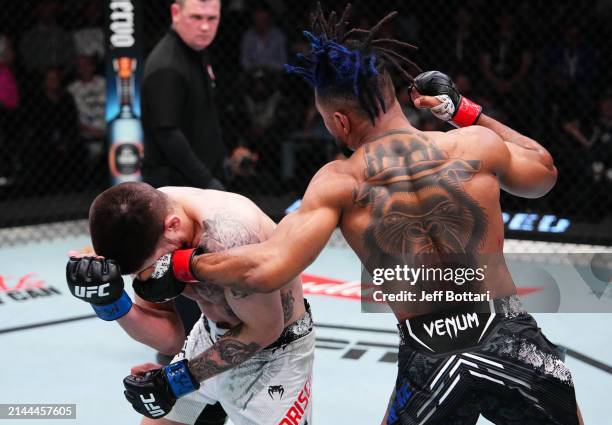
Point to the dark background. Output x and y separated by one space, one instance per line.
548 76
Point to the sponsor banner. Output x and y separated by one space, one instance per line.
124 66
31 298
25 288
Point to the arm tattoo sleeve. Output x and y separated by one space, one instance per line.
225 354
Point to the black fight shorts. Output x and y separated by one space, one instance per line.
455 366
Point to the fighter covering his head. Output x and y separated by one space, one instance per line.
405 192
243 346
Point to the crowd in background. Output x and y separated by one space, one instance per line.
537 65
52 101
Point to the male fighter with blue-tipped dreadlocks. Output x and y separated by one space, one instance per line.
406 195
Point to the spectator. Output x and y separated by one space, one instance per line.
569 64
46 45
265 112
462 56
89 38
9 102
54 152
505 64
9 93
264 45
89 93
598 140
601 142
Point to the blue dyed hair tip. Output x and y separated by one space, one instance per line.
333 64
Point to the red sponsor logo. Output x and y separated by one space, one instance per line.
320 285
295 413
14 283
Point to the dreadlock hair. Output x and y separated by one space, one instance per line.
352 65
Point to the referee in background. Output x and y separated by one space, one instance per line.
183 141
183 145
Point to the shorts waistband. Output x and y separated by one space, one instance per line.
506 307
296 330
509 307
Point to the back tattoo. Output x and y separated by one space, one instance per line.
419 204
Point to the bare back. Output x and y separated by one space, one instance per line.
406 192
225 220
422 193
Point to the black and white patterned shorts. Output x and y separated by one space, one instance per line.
513 375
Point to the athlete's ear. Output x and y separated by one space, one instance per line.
172 223
343 124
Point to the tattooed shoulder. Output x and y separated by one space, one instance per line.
225 230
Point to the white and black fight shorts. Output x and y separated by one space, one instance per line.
456 365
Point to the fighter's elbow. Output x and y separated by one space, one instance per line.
545 178
170 346
265 331
169 349
543 186
272 331
548 181
554 174
547 160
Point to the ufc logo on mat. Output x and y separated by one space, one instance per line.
153 409
89 291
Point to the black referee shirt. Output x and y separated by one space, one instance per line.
183 145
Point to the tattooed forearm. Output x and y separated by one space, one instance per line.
226 353
206 365
287 301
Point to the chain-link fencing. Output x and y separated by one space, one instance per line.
537 65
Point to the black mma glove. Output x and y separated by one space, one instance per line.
455 108
168 277
98 282
154 393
